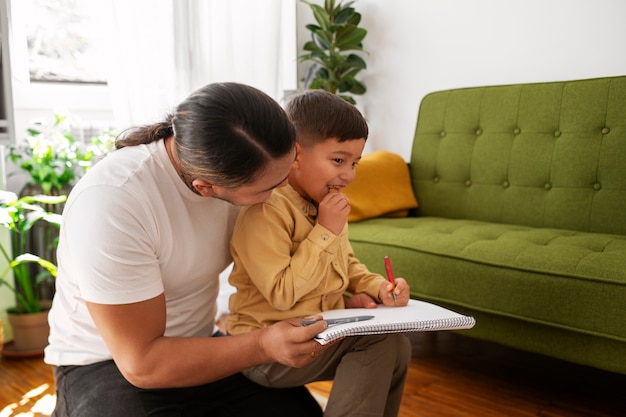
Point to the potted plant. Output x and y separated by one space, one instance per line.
53 161
52 158
19 215
333 39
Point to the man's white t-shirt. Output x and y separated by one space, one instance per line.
132 230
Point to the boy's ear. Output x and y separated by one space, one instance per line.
296 162
203 187
298 150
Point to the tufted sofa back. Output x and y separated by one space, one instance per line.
545 155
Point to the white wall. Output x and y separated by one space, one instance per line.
419 46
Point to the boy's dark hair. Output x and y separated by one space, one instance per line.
319 115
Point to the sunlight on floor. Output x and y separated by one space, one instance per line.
322 400
35 403
320 391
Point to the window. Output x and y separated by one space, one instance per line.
63 41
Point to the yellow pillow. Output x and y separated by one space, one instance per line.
382 187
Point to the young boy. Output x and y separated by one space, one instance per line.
292 258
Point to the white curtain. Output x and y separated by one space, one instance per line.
161 50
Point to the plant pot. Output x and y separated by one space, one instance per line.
30 331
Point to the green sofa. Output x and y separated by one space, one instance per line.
522 216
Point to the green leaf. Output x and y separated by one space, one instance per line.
323 40
355 19
350 37
43 275
26 295
356 61
53 218
358 88
7 197
329 4
352 86
320 16
340 7
323 73
312 27
48 199
48 266
346 85
350 73
311 46
32 218
347 98
344 16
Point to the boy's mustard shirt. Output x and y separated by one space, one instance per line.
286 265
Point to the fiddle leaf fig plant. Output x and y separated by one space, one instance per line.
19 215
334 40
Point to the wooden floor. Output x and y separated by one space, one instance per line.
451 376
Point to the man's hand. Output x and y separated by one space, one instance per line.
290 343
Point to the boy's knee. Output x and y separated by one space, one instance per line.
404 350
398 346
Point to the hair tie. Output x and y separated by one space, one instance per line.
166 132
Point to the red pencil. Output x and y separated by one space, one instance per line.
390 277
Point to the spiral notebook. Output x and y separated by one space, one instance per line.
417 316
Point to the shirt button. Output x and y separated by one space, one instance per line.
324 236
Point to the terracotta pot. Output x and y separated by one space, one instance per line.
30 331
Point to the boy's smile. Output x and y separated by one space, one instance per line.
325 166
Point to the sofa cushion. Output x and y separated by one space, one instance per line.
543 154
382 187
562 278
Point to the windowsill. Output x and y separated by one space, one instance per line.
48 95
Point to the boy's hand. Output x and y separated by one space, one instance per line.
360 300
401 290
333 211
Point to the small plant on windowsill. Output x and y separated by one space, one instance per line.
19 215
